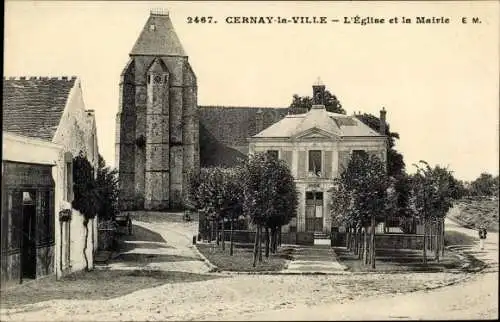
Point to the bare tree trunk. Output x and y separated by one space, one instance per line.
85 224
231 239
267 242
255 247
279 237
93 243
425 241
274 233
212 229
217 239
372 244
366 247
223 237
355 241
277 233
442 237
260 244
347 238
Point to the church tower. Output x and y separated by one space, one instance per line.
157 143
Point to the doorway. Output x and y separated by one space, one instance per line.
28 242
314 211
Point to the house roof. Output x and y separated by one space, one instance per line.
317 117
232 125
158 38
34 106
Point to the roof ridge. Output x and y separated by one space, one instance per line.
27 77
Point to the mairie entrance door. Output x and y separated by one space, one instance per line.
314 211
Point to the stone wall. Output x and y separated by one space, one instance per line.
399 241
386 241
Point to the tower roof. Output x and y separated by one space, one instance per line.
158 37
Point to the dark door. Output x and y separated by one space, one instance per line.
314 211
28 250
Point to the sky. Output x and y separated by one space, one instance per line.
438 82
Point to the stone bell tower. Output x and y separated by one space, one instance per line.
157 142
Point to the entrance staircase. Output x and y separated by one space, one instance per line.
321 238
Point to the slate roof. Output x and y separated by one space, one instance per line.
338 124
34 106
232 125
158 38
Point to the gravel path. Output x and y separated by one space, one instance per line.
284 297
234 296
477 298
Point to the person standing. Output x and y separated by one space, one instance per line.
482 236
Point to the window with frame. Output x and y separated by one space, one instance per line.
359 153
273 154
315 162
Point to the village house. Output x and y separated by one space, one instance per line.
45 125
317 146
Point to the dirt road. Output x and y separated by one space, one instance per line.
286 297
475 299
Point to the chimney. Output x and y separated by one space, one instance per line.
383 126
259 121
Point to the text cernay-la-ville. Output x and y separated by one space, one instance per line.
362 20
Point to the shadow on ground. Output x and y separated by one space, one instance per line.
94 285
140 238
400 260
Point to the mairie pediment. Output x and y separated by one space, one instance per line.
315 133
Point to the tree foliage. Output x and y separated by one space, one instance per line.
332 104
86 195
271 196
93 194
395 161
107 188
485 185
366 179
360 199
432 197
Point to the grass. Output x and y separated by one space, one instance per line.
94 285
476 211
242 259
457 238
402 260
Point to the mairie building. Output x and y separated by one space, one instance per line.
317 146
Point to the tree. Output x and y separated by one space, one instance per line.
86 195
485 185
431 199
217 193
107 188
395 162
332 104
270 195
363 187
